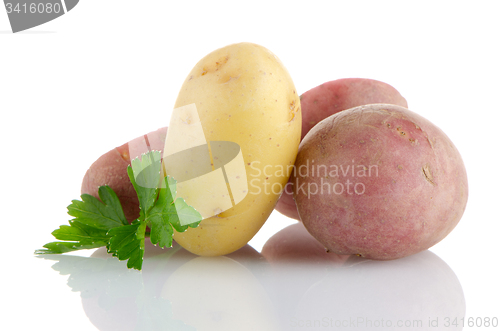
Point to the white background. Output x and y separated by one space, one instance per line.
109 71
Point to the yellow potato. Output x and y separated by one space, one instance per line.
244 98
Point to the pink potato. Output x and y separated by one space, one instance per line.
379 181
330 98
111 169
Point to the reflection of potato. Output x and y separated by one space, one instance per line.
218 293
330 98
403 294
243 94
295 244
297 260
379 181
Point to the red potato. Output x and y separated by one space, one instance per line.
330 98
111 169
379 181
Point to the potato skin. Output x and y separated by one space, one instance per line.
330 98
243 94
407 191
111 169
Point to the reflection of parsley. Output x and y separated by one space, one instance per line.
102 223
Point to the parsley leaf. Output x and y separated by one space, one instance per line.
59 247
168 213
79 235
127 243
98 223
80 232
161 232
144 174
92 221
102 215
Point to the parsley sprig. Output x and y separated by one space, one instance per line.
101 222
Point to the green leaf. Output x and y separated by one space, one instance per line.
170 186
59 247
80 232
76 236
127 243
102 222
102 215
179 213
168 213
182 215
161 231
144 174
92 221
